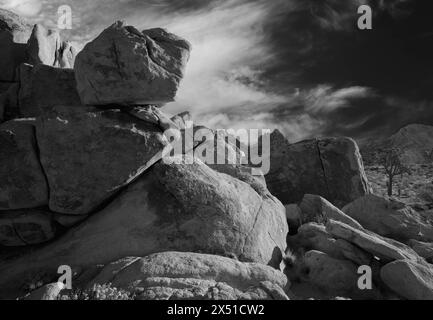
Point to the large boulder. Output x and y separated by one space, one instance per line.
182 207
185 275
46 46
14 33
22 181
385 249
409 279
43 87
334 276
315 208
391 218
329 167
89 154
126 66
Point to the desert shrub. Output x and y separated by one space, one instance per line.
97 292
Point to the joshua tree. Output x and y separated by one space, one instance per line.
391 161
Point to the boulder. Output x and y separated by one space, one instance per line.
183 207
409 279
45 46
193 276
88 154
22 181
26 227
424 249
43 87
313 236
14 33
126 66
385 249
315 208
329 167
47 292
335 277
391 218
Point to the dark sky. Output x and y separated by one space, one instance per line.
301 66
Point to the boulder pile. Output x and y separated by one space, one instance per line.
84 185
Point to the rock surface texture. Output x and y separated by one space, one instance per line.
43 87
89 154
22 180
193 276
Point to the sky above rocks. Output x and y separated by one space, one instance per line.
301 66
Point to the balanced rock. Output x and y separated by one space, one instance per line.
185 275
89 154
126 66
14 33
391 218
329 167
182 207
45 46
43 87
409 279
22 181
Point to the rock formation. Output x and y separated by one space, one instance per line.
87 180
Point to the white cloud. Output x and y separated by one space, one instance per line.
325 98
229 50
26 8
